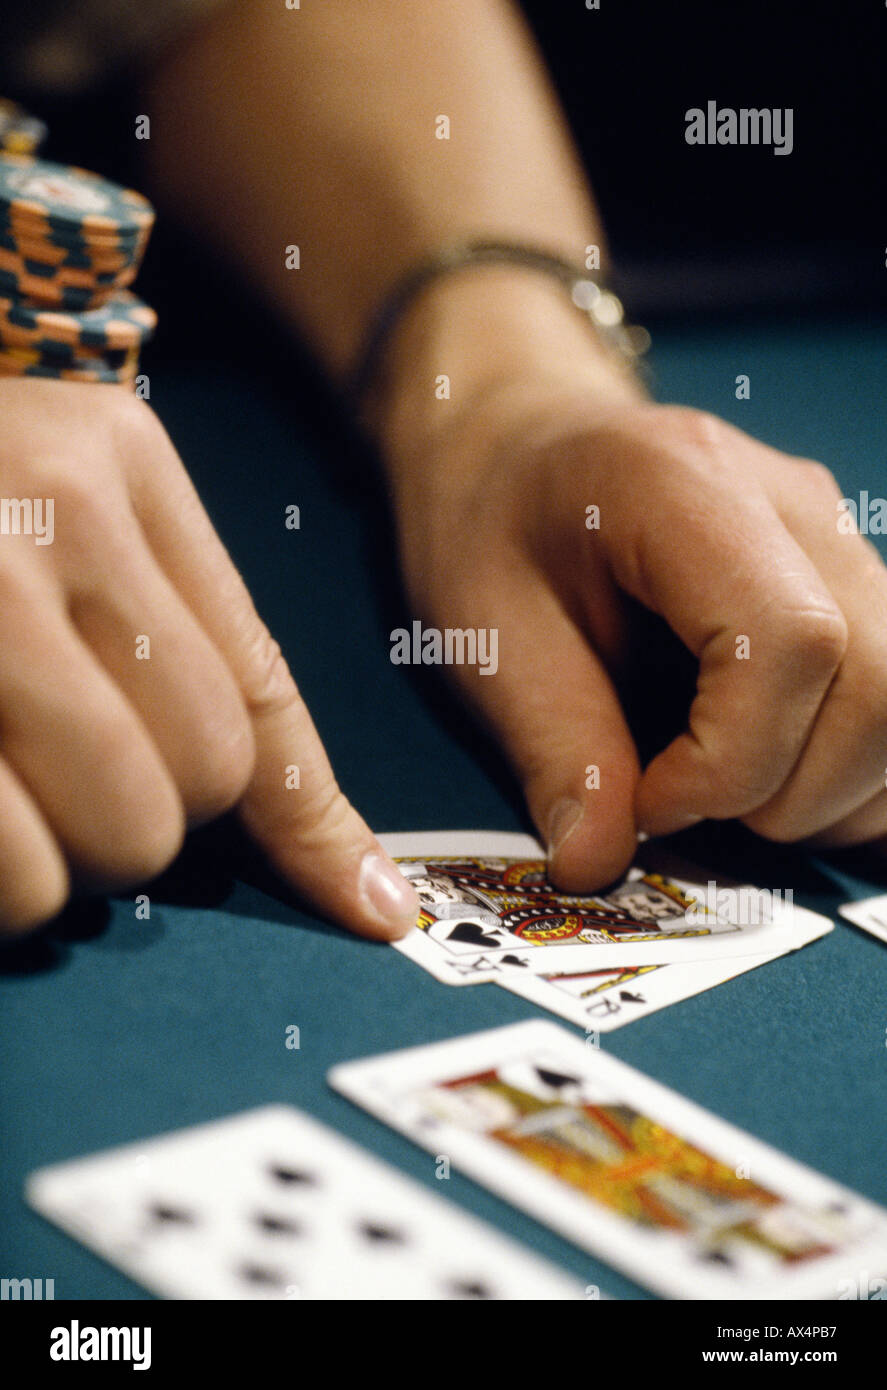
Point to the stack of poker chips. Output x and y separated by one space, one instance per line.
70 245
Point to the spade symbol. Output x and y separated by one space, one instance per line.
514 960
164 1214
471 1288
377 1233
628 998
717 1257
555 1079
473 934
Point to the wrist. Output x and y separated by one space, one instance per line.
472 339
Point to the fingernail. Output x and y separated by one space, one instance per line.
565 816
383 886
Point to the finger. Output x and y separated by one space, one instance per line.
740 592
292 805
33 876
78 746
843 766
171 672
552 707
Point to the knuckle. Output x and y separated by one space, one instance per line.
821 478
696 428
325 814
133 434
267 684
130 416
818 637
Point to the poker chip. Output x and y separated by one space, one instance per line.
123 322
68 238
46 234
49 354
33 364
51 296
71 242
51 253
20 132
39 192
50 283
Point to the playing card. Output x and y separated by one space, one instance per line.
682 1201
868 913
271 1204
487 908
601 1000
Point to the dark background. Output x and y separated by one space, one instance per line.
692 227
807 227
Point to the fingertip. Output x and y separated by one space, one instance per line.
589 853
388 900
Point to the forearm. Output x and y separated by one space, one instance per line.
317 127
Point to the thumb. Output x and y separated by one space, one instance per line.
554 710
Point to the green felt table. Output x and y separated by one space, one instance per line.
113 1028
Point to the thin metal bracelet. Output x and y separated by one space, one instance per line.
590 295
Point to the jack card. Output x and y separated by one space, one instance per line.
487 909
682 1201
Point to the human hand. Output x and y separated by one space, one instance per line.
139 690
734 544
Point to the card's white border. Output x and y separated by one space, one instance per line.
860 914
655 1260
693 977
484 844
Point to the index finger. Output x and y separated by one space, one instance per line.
292 805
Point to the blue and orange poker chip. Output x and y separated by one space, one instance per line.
54 284
64 198
22 362
121 323
67 237
70 244
47 232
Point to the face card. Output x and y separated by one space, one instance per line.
602 1000
487 907
273 1205
868 913
683 1202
